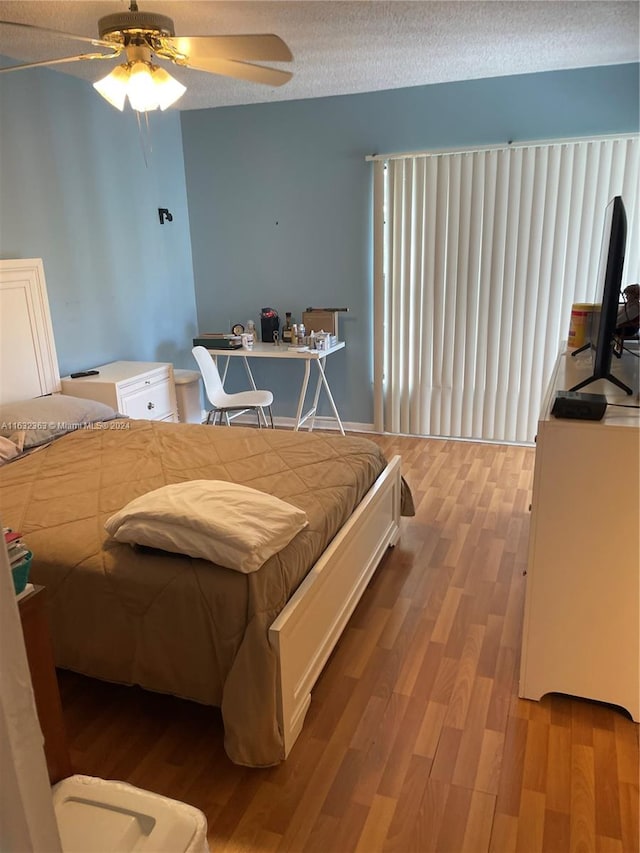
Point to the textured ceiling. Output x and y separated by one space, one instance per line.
346 47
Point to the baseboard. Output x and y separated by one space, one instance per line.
352 426
325 423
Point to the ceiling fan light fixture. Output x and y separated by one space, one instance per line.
113 87
141 36
168 89
141 90
147 86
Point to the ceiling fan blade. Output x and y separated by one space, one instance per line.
96 42
264 48
78 58
241 71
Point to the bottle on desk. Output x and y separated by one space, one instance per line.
287 329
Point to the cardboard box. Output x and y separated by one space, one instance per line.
320 321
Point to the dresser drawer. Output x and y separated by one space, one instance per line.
153 401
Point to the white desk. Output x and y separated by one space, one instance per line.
318 357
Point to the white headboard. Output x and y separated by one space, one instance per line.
28 360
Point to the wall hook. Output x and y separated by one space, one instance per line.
163 213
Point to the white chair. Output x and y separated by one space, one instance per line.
223 402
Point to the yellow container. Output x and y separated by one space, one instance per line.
580 324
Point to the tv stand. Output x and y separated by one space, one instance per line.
581 630
583 348
609 377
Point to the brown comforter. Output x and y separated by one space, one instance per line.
164 621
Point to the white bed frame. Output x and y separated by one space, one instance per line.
309 627
305 633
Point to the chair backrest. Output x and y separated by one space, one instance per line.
210 375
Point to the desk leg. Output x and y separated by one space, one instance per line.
249 373
329 394
303 392
316 397
253 385
223 376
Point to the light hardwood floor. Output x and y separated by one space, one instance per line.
415 739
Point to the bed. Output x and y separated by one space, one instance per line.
252 643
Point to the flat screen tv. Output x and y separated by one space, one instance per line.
603 336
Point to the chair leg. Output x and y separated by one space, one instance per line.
223 413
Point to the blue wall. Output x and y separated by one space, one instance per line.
280 195
279 199
75 191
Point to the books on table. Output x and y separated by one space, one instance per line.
17 551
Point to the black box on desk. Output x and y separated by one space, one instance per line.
269 326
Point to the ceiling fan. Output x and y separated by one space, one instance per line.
143 36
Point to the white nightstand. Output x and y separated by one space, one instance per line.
139 389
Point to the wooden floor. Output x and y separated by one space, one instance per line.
415 739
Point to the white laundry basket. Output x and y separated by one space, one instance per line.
187 384
101 816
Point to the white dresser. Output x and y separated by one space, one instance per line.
581 633
139 389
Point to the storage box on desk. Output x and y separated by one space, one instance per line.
20 572
218 341
316 320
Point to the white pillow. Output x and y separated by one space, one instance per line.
231 525
45 418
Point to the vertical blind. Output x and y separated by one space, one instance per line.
478 258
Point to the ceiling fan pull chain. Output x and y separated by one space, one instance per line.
145 137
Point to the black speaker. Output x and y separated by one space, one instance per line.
584 407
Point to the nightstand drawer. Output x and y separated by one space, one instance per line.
144 380
143 390
154 402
